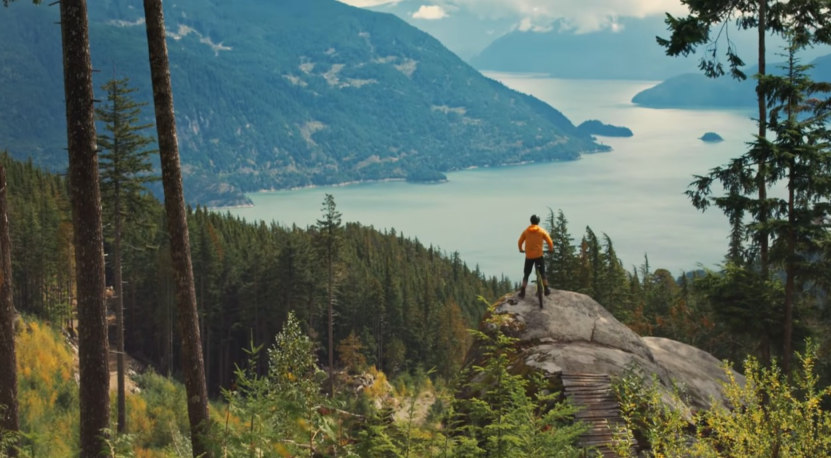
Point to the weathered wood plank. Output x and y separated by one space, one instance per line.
599 409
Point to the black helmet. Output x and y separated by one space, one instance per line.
535 219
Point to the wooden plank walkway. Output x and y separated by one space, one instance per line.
600 409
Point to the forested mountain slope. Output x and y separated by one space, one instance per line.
283 94
421 300
694 90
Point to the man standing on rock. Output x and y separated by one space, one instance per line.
533 238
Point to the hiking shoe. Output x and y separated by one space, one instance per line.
522 293
547 291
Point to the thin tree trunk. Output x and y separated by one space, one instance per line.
311 309
86 220
72 310
790 273
119 317
133 340
8 359
331 337
192 363
761 166
208 348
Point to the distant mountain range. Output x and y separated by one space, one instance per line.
694 90
283 94
630 53
463 32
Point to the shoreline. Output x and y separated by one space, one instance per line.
386 180
231 207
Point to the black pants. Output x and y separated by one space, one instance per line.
529 263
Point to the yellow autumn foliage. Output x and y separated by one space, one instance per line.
380 386
779 415
49 402
47 391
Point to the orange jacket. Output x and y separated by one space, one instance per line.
533 238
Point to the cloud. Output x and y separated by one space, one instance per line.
430 13
527 25
581 16
368 3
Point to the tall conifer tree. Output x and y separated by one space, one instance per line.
802 158
125 169
329 229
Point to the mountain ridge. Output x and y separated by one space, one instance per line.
291 94
605 54
694 90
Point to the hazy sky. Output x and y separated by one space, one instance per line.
538 15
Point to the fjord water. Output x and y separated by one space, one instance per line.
635 194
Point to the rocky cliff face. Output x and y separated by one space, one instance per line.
573 334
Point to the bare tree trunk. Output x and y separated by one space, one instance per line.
72 310
93 346
761 166
119 317
192 364
8 358
790 274
331 337
133 308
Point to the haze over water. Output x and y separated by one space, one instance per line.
635 194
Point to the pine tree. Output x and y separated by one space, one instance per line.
124 169
802 158
562 261
193 364
329 231
809 20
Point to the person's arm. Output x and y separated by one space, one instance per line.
521 241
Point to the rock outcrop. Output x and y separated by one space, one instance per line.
572 337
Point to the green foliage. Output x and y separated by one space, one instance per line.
511 414
377 438
595 127
41 230
248 278
124 160
799 156
159 413
560 263
660 426
745 303
282 413
768 415
426 176
49 403
9 440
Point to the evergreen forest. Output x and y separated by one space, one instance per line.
133 324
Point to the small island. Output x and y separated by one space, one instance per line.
426 176
711 137
595 127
